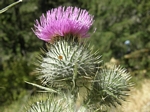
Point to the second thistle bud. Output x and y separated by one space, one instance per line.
110 87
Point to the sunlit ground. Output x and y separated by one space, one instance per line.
139 100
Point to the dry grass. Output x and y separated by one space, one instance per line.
139 100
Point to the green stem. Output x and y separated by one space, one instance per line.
9 6
74 76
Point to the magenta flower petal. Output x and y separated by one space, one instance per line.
62 21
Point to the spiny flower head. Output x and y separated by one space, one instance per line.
62 21
66 60
111 86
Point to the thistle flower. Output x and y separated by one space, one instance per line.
62 21
67 62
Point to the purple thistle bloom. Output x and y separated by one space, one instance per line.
62 21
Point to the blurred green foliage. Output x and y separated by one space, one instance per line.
119 21
115 21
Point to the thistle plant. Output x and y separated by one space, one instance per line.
70 66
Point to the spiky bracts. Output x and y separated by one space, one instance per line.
111 85
68 61
52 103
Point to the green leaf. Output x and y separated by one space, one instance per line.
41 87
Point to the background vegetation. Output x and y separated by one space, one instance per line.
116 21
